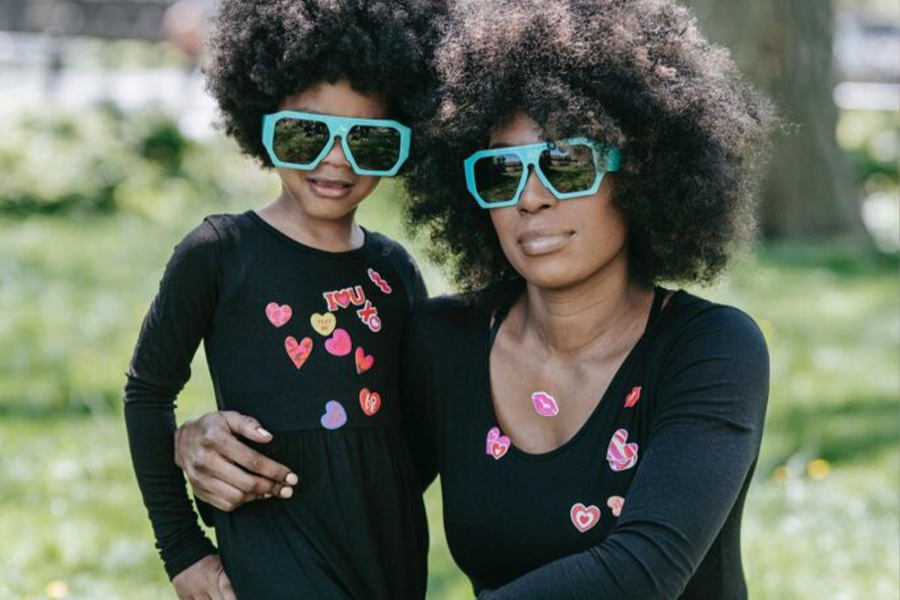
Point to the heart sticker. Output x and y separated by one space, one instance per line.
497 445
339 344
621 456
369 401
278 315
363 362
323 324
545 404
335 416
298 352
584 517
615 504
633 396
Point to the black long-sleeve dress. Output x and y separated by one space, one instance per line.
308 342
643 503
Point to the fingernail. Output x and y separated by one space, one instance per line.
287 492
267 496
291 479
263 432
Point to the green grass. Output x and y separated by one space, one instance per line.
73 292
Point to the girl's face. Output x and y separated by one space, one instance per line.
556 244
331 191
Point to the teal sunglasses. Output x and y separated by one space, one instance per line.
300 140
569 168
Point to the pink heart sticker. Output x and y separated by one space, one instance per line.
298 351
621 456
335 416
497 445
545 404
633 396
584 517
278 315
363 362
615 504
339 344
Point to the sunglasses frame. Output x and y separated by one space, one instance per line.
530 156
337 127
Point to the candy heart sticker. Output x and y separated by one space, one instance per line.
615 504
497 444
369 401
323 324
545 404
278 315
363 362
584 517
621 456
339 344
633 396
298 352
335 416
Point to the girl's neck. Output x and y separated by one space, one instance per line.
601 315
332 235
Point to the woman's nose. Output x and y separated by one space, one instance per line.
335 156
535 196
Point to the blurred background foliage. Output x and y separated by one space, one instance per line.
108 158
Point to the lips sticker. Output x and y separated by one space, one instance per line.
363 362
339 344
621 456
633 396
497 445
545 404
370 402
298 351
615 504
278 315
323 324
335 416
584 517
379 281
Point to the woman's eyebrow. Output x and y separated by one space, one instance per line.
492 146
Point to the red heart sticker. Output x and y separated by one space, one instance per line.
497 445
298 352
370 402
584 517
363 362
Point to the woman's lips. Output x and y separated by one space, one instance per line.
536 243
329 188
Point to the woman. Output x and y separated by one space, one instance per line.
595 433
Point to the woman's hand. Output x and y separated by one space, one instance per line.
222 470
204 580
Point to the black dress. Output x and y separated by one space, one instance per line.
307 342
644 502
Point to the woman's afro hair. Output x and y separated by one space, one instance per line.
634 73
263 51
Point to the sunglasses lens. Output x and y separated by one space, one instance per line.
497 177
299 141
569 168
374 148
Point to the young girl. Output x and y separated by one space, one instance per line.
300 310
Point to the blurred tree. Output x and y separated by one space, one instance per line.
785 46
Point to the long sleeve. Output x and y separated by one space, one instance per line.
705 436
177 321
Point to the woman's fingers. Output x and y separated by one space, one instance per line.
246 426
253 486
220 494
225 590
259 464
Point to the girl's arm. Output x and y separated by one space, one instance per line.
178 319
711 402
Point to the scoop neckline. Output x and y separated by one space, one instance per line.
297 245
665 308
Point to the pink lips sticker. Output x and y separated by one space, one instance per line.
339 344
278 315
584 517
497 445
545 404
335 416
615 504
621 456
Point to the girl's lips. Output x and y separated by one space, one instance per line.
328 188
540 243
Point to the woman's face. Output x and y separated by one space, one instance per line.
556 244
332 190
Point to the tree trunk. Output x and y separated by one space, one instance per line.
785 47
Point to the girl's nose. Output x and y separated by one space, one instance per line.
335 156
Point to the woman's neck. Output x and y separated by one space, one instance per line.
595 316
332 235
